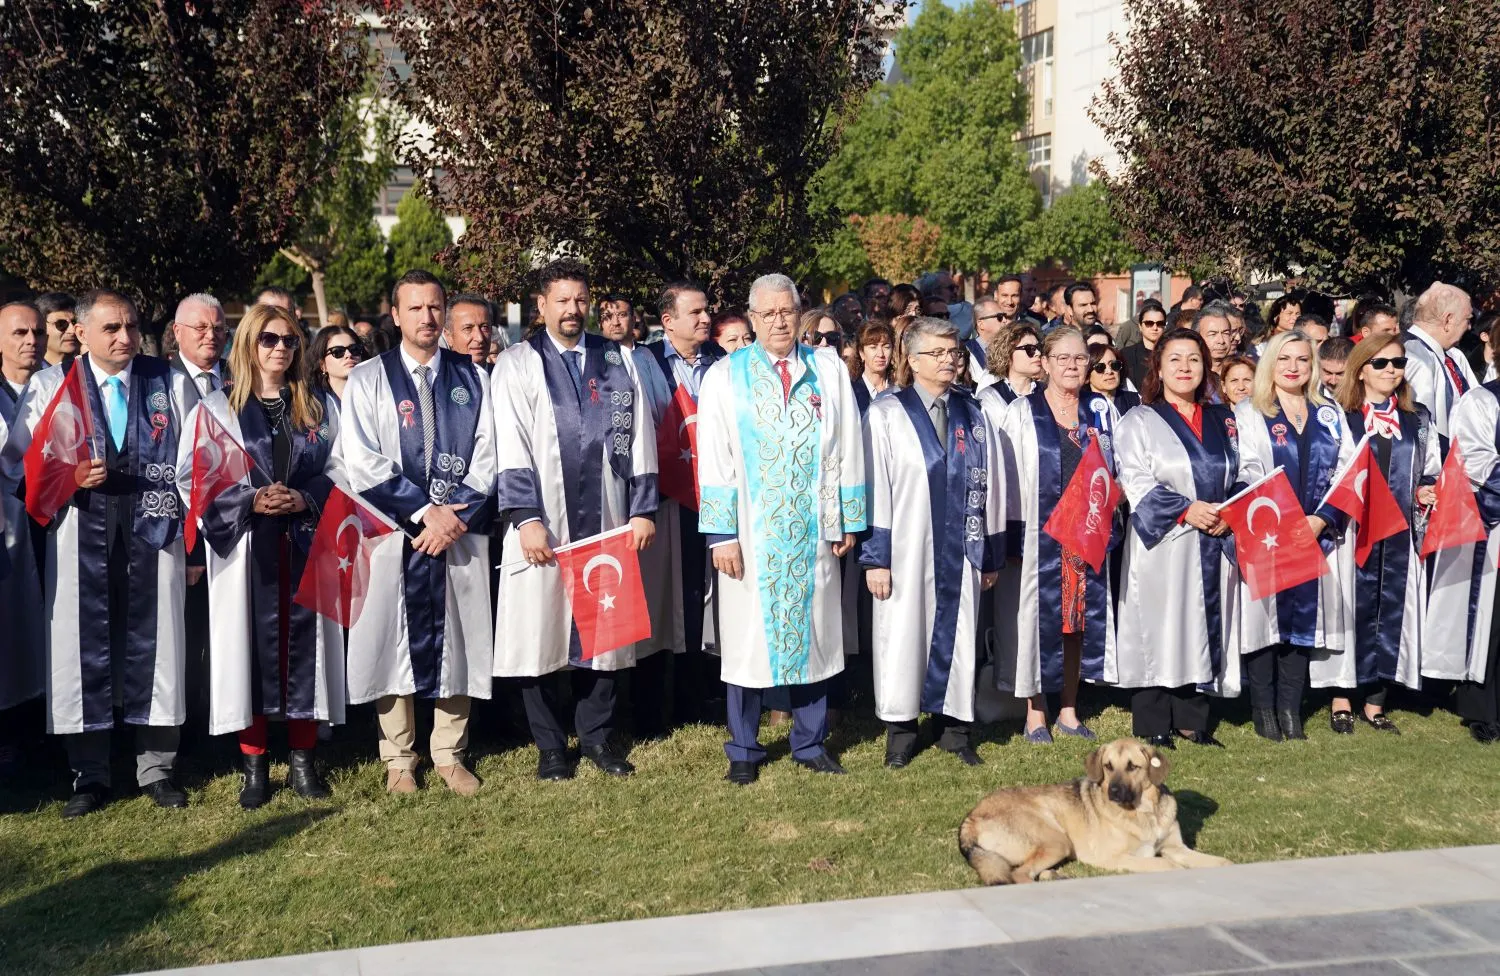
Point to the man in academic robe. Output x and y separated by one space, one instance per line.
937 489
60 312
468 326
417 437
1439 375
781 472
199 331
577 457
113 597
22 677
988 321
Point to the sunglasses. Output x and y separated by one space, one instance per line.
339 352
63 325
1381 362
1111 367
827 338
269 340
1030 349
1153 323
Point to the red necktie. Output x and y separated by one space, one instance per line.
1455 375
786 381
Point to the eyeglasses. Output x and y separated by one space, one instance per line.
1381 362
1031 349
1153 323
826 338
1110 367
203 330
63 325
776 315
1062 359
941 355
354 351
269 340
997 317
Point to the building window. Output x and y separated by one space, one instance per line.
1039 162
1036 47
402 180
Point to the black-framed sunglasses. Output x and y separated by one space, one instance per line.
1381 362
1031 349
827 338
1109 367
269 340
1153 323
62 325
339 352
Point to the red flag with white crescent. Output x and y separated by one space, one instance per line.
1363 494
219 463
59 447
337 575
1455 518
1273 543
1084 514
677 450
602 575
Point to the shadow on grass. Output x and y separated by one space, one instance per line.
1193 811
61 926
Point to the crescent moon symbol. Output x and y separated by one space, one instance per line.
1359 483
1101 476
349 520
67 428
211 458
1255 507
597 561
682 427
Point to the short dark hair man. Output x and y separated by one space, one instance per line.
1082 305
468 325
60 317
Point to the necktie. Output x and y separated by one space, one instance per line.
786 381
1382 419
574 359
206 383
116 411
939 414
1457 377
429 422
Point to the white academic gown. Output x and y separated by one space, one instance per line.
22 667
1428 378
380 660
231 633
1456 632
1005 595
1169 634
71 707
785 477
925 634
1332 631
661 561
534 631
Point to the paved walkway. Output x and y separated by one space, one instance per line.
1434 913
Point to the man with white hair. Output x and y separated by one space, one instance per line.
1438 374
781 471
200 331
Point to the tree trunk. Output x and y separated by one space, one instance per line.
321 297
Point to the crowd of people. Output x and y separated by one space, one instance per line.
874 481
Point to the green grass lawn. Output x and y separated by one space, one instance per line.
139 888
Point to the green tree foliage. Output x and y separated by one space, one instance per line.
657 138
1079 232
1355 140
358 275
899 247
165 147
940 142
420 235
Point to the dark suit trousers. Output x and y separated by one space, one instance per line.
593 708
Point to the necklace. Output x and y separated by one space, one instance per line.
1296 413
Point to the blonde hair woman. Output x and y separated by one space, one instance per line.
1286 423
269 656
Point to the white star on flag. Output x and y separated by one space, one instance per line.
607 601
1269 541
685 456
343 564
47 451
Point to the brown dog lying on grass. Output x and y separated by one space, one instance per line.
1119 817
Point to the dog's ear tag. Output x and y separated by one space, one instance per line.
1156 760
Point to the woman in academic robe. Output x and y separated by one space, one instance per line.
336 350
1390 589
1178 626
1286 636
1107 379
1065 610
1015 362
871 368
1461 610
936 491
269 657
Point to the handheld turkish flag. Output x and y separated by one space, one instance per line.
1363 494
677 450
219 462
1084 514
1274 545
59 447
603 579
337 574
1455 518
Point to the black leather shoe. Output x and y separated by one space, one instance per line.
1163 741
257 788
743 773
304 778
1342 722
604 757
822 763
899 758
967 756
553 764
166 794
85 800
1481 731
1382 722
1199 737
1266 725
1291 724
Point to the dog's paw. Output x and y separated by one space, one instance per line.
1048 875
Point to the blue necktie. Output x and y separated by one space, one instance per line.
573 357
116 411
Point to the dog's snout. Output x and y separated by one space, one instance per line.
1121 793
